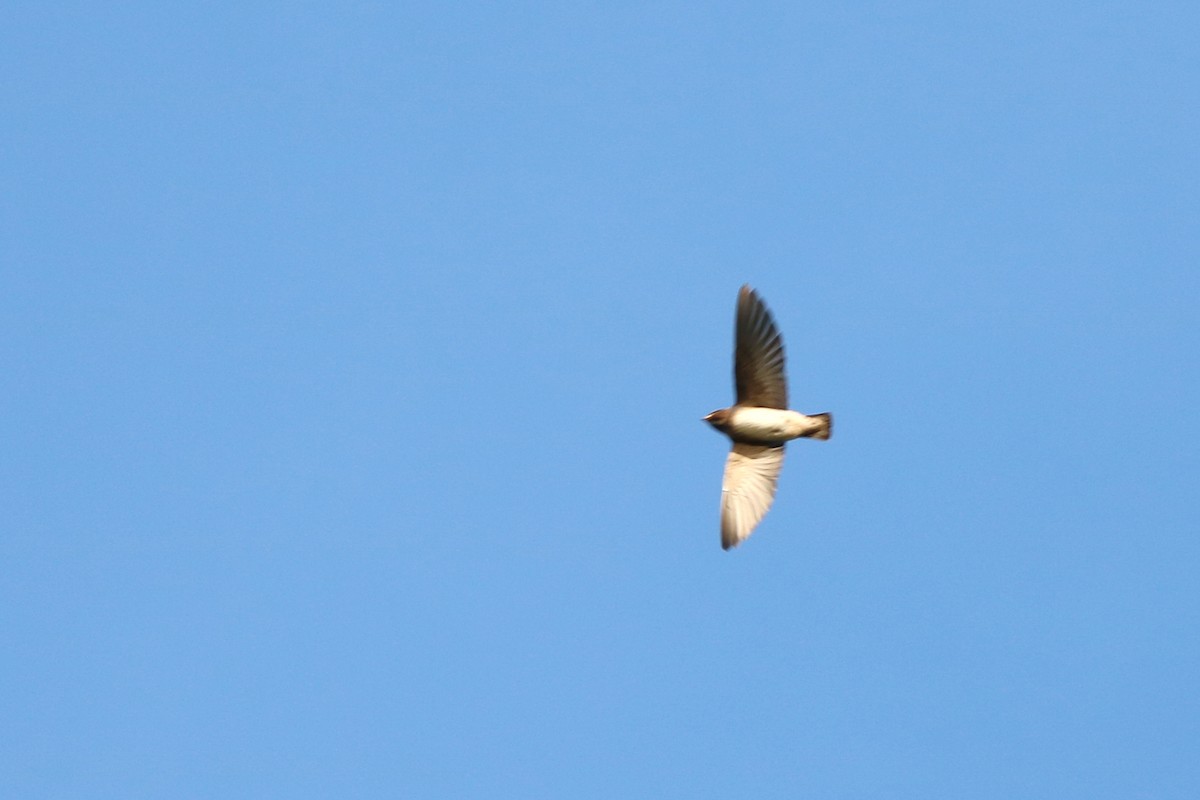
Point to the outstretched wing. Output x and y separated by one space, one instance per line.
758 358
751 474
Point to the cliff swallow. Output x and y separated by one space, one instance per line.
759 423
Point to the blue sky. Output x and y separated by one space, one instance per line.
354 365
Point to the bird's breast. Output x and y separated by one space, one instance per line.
767 425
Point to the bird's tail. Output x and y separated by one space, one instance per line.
825 430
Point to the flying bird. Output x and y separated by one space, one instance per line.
759 423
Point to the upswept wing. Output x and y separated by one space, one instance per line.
758 357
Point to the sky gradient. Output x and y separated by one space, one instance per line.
354 365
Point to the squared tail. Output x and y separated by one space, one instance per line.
826 428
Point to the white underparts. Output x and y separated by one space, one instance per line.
771 425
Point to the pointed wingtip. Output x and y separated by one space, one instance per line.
729 539
747 299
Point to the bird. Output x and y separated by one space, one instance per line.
759 423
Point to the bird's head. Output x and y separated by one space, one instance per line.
719 419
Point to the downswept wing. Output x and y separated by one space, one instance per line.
758 357
751 475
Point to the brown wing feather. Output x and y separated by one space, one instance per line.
758 357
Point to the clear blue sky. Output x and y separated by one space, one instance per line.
353 366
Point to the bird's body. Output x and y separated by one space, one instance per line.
755 425
759 423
